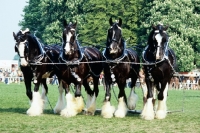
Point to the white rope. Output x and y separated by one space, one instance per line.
74 63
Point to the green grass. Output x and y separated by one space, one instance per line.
185 116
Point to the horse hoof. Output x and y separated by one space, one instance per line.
88 113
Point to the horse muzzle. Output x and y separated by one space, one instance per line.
113 51
68 52
24 62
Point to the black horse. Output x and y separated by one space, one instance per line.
159 68
116 72
32 53
81 63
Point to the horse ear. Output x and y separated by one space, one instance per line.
64 23
75 24
166 27
15 37
110 21
120 22
16 49
153 27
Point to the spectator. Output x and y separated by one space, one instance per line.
188 83
55 80
1 76
6 77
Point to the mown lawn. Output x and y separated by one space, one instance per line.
184 116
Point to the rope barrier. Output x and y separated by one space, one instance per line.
75 63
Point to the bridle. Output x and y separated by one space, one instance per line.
113 39
26 48
75 41
162 46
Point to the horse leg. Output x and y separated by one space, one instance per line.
132 99
91 96
28 75
122 100
37 103
60 105
144 91
148 111
161 112
107 110
75 104
44 89
28 89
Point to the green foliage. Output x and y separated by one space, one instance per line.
97 15
183 28
32 16
16 57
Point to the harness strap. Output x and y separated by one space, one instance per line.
90 67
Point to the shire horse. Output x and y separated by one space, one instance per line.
160 64
32 51
116 72
79 66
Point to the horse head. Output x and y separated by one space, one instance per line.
159 40
114 37
21 46
69 38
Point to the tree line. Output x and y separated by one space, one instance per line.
47 16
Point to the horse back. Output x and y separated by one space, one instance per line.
94 57
93 53
134 58
53 51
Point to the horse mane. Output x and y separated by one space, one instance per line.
150 39
174 58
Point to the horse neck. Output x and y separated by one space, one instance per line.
52 51
150 38
34 47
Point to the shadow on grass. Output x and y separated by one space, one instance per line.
23 110
130 113
13 110
193 96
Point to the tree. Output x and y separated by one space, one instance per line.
183 30
96 21
46 17
16 57
32 16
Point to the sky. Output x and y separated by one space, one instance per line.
11 12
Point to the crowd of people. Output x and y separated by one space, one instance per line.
177 82
10 76
183 82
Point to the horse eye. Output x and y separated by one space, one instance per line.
72 31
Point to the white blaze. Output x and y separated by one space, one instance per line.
67 45
159 40
21 49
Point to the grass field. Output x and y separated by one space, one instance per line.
185 115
